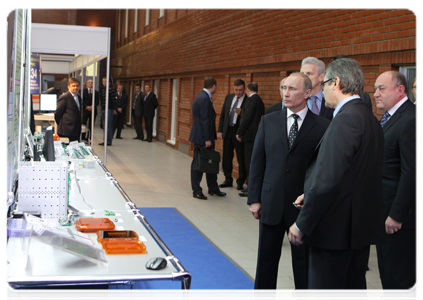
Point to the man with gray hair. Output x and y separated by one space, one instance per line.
342 208
315 69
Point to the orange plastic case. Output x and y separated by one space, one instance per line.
94 224
121 242
124 248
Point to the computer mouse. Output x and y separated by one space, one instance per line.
156 263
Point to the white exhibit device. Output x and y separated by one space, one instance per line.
43 187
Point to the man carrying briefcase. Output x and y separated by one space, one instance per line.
203 135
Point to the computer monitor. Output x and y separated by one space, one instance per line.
48 102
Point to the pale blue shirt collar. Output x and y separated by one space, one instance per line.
342 103
208 93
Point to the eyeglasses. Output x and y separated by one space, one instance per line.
323 83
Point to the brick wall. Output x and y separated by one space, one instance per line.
256 45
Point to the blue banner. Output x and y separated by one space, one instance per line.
35 75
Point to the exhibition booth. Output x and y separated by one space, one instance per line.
70 223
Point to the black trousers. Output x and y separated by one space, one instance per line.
230 143
397 260
86 119
138 125
197 176
118 121
148 120
338 269
269 253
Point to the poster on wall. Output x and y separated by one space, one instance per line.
35 74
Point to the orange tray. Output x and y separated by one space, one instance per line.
94 224
117 236
124 248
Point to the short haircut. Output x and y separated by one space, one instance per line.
399 79
314 61
350 74
209 82
239 82
148 85
138 84
307 84
339 56
253 87
73 80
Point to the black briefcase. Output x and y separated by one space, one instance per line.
208 161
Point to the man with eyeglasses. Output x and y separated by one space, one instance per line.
284 142
315 69
397 256
342 208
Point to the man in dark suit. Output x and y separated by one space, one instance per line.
119 115
397 256
203 135
137 112
87 104
285 141
230 118
342 212
277 106
149 106
315 69
68 112
250 119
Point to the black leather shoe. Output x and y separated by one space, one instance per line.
243 194
136 138
218 193
225 184
144 140
240 187
200 196
118 137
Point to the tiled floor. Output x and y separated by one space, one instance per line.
156 175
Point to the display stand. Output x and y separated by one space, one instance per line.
44 264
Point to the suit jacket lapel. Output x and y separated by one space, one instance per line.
396 116
283 128
306 126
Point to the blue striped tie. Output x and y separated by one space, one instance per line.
384 119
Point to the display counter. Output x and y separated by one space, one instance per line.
31 263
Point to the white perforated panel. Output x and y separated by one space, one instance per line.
43 187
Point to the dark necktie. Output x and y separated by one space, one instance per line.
384 119
232 113
293 132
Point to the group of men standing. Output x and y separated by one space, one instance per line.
144 107
322 169
73 110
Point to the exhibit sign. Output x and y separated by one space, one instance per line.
35 74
